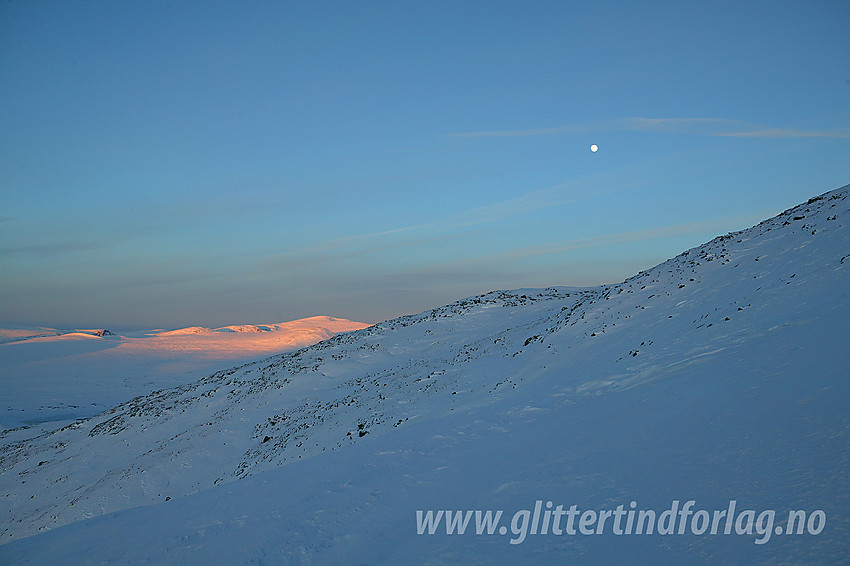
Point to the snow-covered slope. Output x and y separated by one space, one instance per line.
48 376
720 374
21 334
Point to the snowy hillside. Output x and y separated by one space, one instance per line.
718 375
49 375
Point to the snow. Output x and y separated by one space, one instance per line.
720 374
51 375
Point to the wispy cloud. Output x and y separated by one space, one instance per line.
717 225
779 133
556 195
459 224
721 127
558 131
48 249
693 126
347 248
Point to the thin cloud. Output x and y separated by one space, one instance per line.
561 130
778 133
627 237
720 225
556 195
693 126
718 127
48 249
307 257
452 226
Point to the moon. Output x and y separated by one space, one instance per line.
594 148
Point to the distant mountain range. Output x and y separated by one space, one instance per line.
51 375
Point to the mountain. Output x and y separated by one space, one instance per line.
54 376
718 375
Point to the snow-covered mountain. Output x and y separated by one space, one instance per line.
718 375
50 375
24 334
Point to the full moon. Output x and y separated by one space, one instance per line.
594 148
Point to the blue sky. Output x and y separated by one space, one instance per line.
165 164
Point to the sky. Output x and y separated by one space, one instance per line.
167 164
